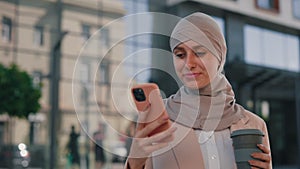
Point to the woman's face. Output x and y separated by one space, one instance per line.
194 64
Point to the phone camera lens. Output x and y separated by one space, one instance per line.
139 94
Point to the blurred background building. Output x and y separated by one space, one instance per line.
262 63
48 39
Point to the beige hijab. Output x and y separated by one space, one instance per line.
212 107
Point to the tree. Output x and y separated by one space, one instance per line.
19 97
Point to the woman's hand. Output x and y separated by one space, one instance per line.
142 145
264 158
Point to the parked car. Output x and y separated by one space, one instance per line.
14 156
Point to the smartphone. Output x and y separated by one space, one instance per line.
148 94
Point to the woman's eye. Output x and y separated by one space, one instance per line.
179 55
200 53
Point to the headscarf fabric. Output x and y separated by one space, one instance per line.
212 107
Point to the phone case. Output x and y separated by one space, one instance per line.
154 99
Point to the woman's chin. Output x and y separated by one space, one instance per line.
195 84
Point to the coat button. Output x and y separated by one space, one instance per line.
213 157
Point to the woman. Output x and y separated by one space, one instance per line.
204 111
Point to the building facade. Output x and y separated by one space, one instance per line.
61 43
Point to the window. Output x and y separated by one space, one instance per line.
271 48
35 129
296 8
104 71
84 72
86 32
272 5
38 36
221 24
104 37
6 29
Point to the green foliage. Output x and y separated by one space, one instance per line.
18 96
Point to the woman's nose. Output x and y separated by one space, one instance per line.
191 61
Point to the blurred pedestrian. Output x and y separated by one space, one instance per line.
73 153
98 137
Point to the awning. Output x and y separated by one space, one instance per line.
265 81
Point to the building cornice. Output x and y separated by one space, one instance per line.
284 17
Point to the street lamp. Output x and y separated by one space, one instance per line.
54 97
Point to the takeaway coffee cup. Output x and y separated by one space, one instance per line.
245 143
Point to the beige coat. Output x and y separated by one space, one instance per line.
189 156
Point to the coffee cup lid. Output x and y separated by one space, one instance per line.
247 132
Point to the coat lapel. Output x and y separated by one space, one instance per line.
188 150
183 152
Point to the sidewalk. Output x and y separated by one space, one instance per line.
108 166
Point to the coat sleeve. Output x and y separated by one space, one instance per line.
266 141
251 120
261 124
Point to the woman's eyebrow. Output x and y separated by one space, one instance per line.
194 48
197 47
178 48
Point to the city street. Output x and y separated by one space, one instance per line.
75 75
